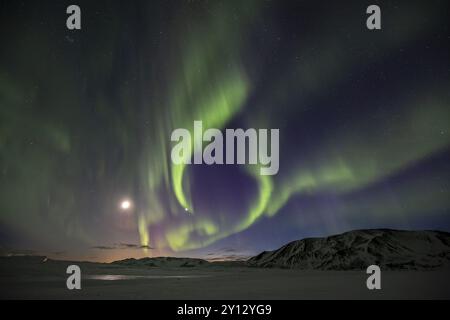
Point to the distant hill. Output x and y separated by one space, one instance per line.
169 262
355 250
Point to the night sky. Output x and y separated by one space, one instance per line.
86 117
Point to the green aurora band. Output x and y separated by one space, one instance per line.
202 73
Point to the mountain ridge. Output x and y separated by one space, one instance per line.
354 250
162 262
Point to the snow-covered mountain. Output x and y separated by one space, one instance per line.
170 262
390 249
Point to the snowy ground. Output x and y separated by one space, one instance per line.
38 280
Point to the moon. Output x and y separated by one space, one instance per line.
125 205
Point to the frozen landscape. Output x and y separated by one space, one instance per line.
415 267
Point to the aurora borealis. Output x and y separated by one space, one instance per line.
86 118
